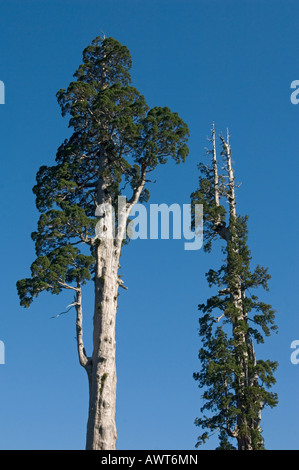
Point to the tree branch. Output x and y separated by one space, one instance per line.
67 286
66 311
137 190
83 359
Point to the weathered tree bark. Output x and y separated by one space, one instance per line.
215 169
219 227
101 427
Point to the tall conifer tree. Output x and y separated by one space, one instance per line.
116 141
236 384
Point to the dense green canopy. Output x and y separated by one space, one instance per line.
117 139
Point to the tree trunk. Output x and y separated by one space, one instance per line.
101 427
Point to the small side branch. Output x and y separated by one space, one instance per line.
67 286
121 284
66 311
83 359
232 433
219 318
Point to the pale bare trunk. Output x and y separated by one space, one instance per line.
101 427
242 339
215 169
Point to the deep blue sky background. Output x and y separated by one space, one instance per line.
228 61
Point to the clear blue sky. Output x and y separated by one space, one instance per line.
228 61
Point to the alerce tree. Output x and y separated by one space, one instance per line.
236 384
116 141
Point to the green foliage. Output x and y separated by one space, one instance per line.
65 265
235 385
116 140
211 212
